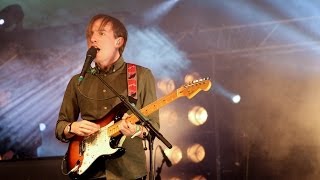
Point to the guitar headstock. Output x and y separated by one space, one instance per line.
191 89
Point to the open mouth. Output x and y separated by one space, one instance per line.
97 48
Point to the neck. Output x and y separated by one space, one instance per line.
106 66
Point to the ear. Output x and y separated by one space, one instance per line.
119 42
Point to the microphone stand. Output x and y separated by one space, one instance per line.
144 122
158 177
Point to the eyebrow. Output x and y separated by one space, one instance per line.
101 30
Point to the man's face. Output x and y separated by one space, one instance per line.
103 38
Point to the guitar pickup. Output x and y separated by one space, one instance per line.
82 147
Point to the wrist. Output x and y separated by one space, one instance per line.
70 128
138 128
137 132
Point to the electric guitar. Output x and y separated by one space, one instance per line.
85 153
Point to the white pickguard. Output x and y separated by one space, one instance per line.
97 145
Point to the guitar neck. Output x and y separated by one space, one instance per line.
188 90
147 110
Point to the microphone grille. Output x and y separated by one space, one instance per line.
92 51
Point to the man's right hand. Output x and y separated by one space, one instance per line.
84 128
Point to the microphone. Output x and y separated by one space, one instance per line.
91 54
165 157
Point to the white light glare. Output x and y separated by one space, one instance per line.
1 22
159 11
42 126
236 98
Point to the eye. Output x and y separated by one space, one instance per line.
101 33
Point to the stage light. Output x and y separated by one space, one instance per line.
199 177
191 77
236 98
158 11
197 115
170 117
11 18
218 89
42 127
166 86
175 178
174 154
196 153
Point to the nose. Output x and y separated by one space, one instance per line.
93 38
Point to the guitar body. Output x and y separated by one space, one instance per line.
86 155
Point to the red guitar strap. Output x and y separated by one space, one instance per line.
132 83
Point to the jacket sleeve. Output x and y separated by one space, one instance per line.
69 110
